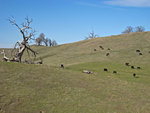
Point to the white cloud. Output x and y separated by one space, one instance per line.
132 3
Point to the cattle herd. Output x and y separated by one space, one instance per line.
126 64
114 71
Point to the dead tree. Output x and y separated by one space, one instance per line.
46 41
128 30
27 33
140 29
91 35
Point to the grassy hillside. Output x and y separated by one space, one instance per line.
28 88
123 49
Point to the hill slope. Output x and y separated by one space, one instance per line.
123 49
28 88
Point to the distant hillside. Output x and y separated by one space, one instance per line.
122 49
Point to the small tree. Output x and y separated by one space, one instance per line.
54 43
128 30
42 36
92 35
50 42
140 29
46 41
40 39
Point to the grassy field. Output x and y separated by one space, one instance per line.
26 88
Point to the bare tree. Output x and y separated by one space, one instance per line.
54 43
50 42
128 30
42 36
46 41
140 29
27 33
40 39
92 35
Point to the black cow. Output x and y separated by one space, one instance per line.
140 54
107 54
138 67
62 66
115 72
127 64
137 50
108 49
132 67
134 75
101 47
105 69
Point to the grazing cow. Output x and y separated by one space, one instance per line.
101 47
105 69
140 54
149 52
108 49
134 75
132 67
127 64
138 67
94 49
62 66
107 54
137 50
115 72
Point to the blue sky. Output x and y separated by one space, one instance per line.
69 21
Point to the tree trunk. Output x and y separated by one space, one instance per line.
20 52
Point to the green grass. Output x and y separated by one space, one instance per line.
26 88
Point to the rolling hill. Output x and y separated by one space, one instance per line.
26 88
123 49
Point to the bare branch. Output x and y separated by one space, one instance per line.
13 22
128 30
27 24
28 52
140 29
91 35
32 51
